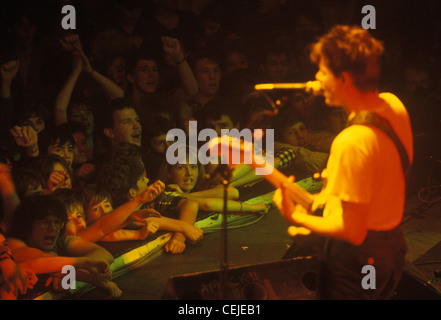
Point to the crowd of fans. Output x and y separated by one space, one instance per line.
84 115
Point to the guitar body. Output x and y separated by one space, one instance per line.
244 149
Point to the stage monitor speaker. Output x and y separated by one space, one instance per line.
291 279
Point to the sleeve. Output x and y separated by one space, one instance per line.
350 167
285 157
166 204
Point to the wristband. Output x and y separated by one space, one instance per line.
179 62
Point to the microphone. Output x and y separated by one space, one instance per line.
314 87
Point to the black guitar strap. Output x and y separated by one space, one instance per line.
366 117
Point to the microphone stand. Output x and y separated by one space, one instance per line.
226 174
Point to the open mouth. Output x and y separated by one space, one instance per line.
49 240
136 136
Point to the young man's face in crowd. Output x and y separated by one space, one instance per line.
159 144
76 220
36 122
97 210
117 71
126 127
303 103
45 233
82 113
277 67
81 149
208 75
235 61
224 122
146 76
296 135
336 120
66 151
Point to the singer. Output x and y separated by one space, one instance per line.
361 216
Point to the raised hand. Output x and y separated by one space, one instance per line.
72 44
9 70
24 136
173 47
57 180
154 190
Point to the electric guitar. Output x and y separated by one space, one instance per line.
236 147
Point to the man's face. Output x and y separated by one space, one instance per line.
82 113
141 185
208 75
81 149
223 123
332 85
336 120
117 70
277 67
416 78
97 210
45 233
159 144
66 151
126 127
146 76
235 61
302 102
36 122
295 135
76 221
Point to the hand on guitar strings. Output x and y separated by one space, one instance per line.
292 212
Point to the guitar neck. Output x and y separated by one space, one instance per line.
276 178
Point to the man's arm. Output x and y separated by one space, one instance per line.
82 248
343 220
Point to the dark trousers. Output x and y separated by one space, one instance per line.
341 273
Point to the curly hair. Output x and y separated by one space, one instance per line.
121 173
32 209
351 49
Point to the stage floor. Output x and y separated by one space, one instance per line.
267 241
